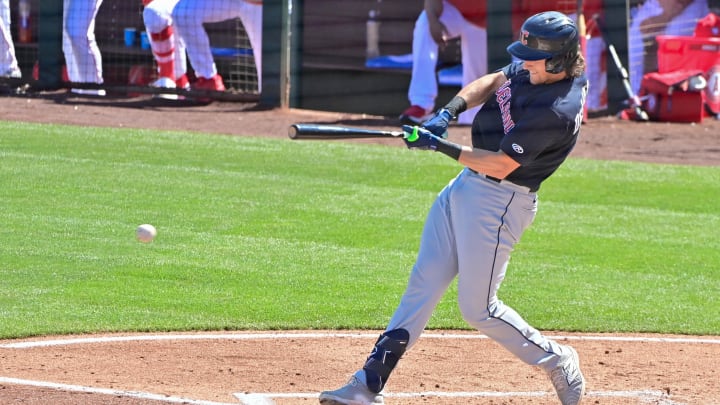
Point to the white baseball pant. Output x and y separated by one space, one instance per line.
157 16
8 61
189 16
82 55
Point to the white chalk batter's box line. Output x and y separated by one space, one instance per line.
302 335
644 396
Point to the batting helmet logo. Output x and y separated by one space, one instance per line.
524 37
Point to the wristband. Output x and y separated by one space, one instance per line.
451 149
456 106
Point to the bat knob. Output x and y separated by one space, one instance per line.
641 114
292 131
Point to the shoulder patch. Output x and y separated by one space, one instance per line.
517 148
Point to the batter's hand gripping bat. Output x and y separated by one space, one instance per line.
319 131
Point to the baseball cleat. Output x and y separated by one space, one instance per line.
165 83
214 83
567 379
415 115
352 393
182 82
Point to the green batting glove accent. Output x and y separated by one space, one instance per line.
410 133
414 135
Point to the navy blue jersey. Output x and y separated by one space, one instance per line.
536 125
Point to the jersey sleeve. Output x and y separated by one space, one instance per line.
512 69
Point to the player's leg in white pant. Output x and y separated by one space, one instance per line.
251 17
473 46
180 61
423 84
189 16
473 50
82 55
8 61
157 17
596 74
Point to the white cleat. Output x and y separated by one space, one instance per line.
567 379
352 393
12 73
165 83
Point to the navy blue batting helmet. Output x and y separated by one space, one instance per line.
549 35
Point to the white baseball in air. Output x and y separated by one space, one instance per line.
145 233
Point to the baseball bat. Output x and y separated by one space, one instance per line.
633 98
319 131
582 29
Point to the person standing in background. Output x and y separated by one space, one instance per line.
82 55
653 18
189 17
8 62
168 48
709 26
440 21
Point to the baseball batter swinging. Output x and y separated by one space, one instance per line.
528 124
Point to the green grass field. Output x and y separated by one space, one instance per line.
259 233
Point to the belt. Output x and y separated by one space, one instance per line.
491 178
501 181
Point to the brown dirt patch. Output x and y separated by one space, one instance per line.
651 369
602 138
659 371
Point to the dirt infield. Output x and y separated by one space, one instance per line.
602 138
292 367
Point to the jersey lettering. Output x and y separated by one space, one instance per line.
503 96
581 114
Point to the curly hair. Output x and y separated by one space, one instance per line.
576 64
